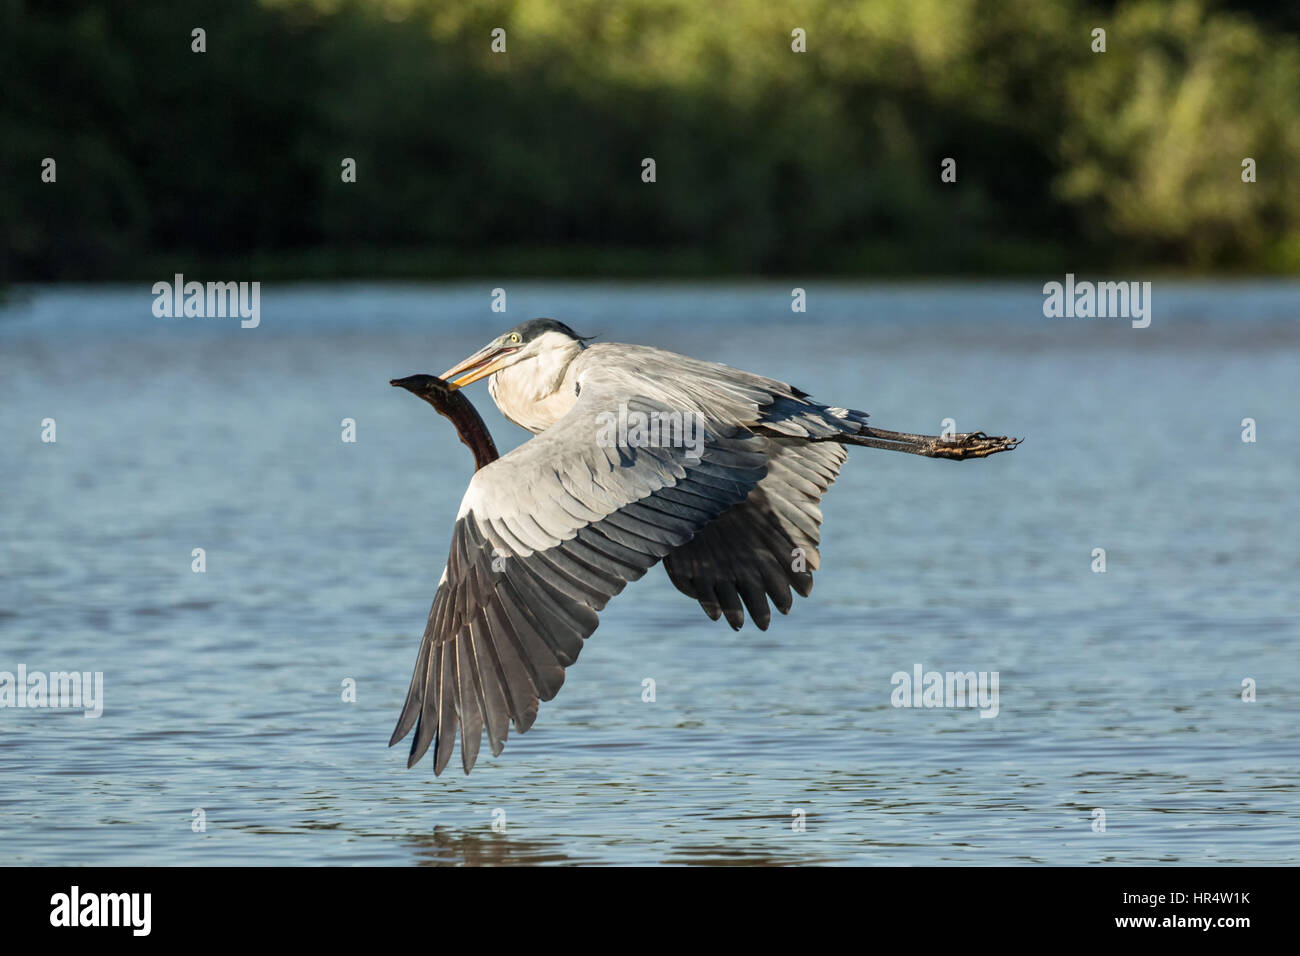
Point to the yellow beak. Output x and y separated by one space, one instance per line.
479 365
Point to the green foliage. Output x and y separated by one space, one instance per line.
529 162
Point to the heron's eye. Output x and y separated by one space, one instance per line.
514 337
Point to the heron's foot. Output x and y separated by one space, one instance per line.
973 445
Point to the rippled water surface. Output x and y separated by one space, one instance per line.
1119 691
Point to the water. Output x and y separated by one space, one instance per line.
1119 691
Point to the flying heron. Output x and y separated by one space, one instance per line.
639 456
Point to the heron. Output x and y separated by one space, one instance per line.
639 456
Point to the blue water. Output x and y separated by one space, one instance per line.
1119 691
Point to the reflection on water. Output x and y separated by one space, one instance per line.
444 847
1119 692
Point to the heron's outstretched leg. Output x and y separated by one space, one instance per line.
956 448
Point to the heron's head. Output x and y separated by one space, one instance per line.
545 345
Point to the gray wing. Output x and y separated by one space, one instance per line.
767 544
545 536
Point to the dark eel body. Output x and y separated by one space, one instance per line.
457 409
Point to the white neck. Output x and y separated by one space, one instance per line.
537 392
